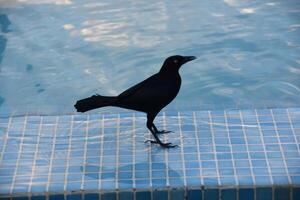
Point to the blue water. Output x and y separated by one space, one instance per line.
54 52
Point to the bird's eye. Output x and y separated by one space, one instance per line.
175 61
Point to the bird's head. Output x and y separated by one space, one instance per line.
173 63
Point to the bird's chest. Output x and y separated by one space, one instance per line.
167 89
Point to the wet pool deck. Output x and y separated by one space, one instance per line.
233 154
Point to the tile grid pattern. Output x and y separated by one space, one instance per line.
234 153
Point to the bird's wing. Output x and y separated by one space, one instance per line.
131 91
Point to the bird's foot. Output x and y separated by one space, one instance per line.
165 145
164 132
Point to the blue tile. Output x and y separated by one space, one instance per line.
272 155
20 198
237 141
57 197
192 172
157 183
108 184
194 194
243 171
263 193
193 181
72 186
246 194
125 184
227 181
258 147
38 197
224 156
225 163
293 162
142 174
272 147
208 164
260 171
160 195
175 182
245 180
259 163
142 183
226 172
91 196
145 195
211 194
255 155
289 147
126 196
109 196
209 172
177 194
229 194
240 155
282 193
74 197
279 171
296 193
210 181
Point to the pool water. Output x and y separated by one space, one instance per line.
54 52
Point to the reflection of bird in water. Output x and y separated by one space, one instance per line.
149 96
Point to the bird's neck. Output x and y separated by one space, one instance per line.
170 74
168 70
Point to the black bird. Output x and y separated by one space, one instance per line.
149 96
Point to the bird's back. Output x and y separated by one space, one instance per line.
152 94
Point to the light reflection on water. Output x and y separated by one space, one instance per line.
53 52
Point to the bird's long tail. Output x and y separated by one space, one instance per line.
93 102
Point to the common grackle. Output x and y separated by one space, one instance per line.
149 96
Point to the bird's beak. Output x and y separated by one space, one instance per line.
189 58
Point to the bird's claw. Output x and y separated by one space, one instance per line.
164 132
168 145
165 145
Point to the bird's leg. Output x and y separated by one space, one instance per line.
150 125
159 132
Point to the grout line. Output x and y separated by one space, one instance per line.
271 143
233 163
214 148
85 153
198 151
133 156
207 176
243 159
117 156
5 138
101 155
181 150
248 152
166 154
52 155
281 149
68 153
19 155
264 149
35 154
293 130
150 169
231 152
